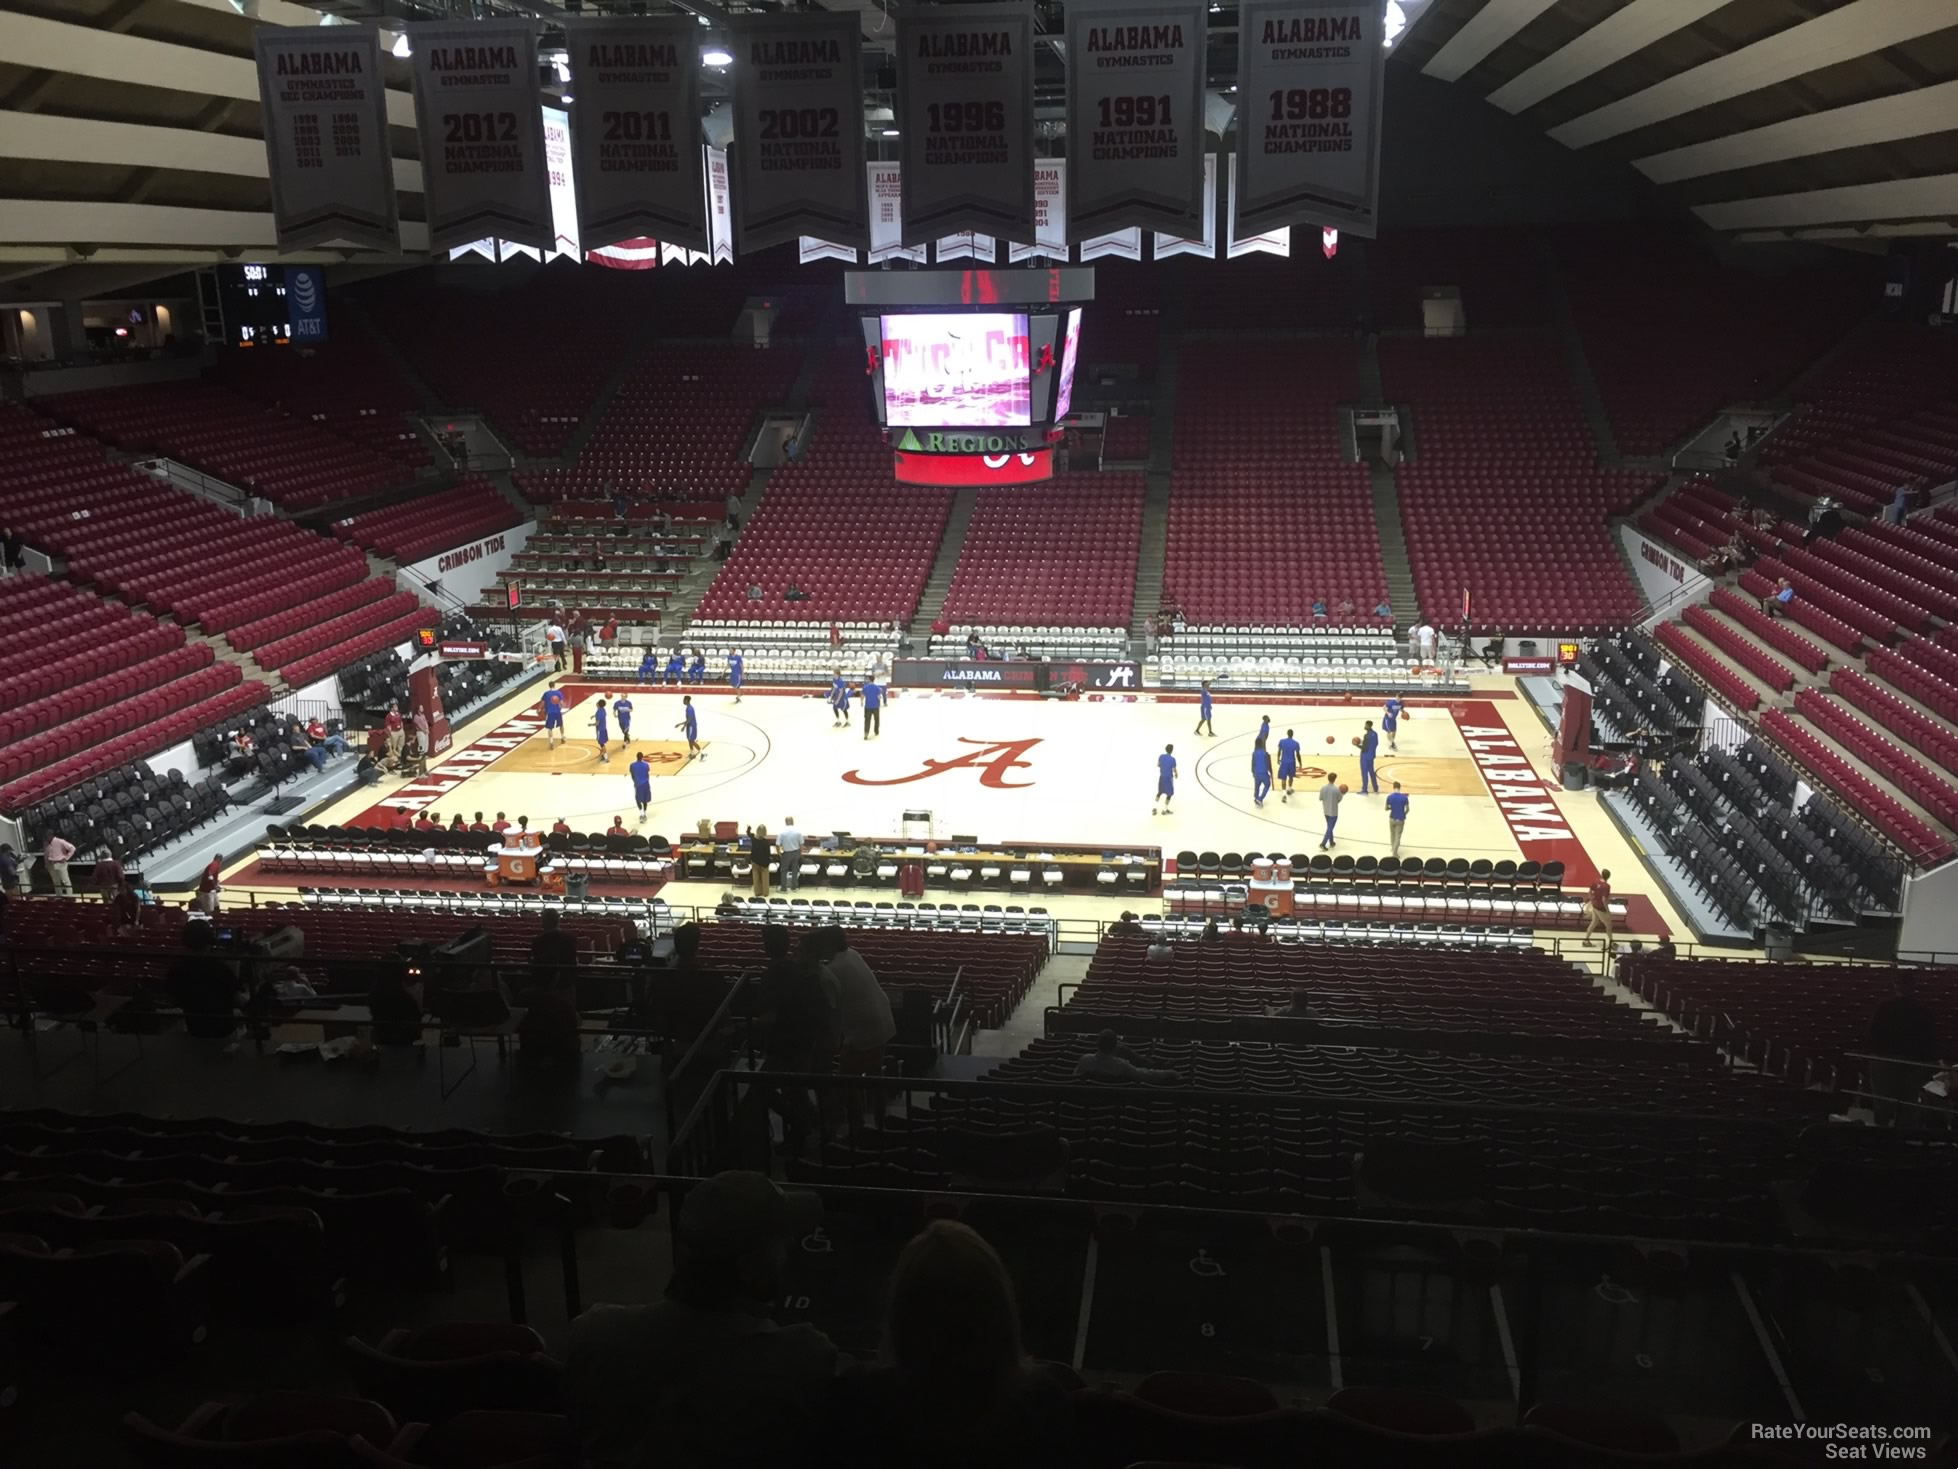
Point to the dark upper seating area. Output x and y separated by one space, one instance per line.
417 529
350 385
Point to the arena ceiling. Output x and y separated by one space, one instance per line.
129 132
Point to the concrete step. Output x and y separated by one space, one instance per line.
1579 364
1874 777
945 563
1753 642
1394 560
1767 695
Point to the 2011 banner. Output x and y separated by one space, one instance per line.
1135 116
798 129
635 129
1308 114
965 108
482 133
325 114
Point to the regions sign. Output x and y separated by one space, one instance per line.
956 441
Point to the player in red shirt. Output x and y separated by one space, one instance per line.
501 823
428 821
1599 915
561 825
479 824
618 828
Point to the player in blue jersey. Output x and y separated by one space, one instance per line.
1397 804
642 783
839 701
649 668
676 664
1264 731
690 722
697 670
734 673
1260 773
1390 719
604 731
1204 726
553 717
1369 747
873 708
622 711
1288 763
1165 779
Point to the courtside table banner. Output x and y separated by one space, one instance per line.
635 130
1135 116
1308 114
482 133
965 120
325 116
798 129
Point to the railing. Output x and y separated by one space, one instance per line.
429 589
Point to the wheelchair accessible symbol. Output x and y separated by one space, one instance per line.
1205 1266
817 1243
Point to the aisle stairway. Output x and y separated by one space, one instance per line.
940 581
1393 542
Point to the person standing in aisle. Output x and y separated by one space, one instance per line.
553 718
1390 720
1330 796
1288 763
788 841
690 722
1396 818
598 719
642 783
554 637
761 852
1260 773
1598 910
622 711
1165 779
1204 726
873 707
397 733
1369 743
55 856
734 673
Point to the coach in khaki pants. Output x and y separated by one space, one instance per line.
760 851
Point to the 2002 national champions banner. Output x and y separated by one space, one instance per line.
798 130
1308 118
482 132
1135 116
324 104
965 107
635 130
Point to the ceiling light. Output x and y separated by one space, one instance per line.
716 55
400 47
889 133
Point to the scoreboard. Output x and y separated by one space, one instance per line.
271 305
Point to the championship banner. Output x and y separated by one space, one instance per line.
965 104
1308 114
886 182
720 210
1121 244
965 245
798 129
635 127
325 115
1049 215
1168 245
810 249
1271 242
1135 115
482 133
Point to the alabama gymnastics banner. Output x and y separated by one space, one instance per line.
482 133
798 129
1135 116
635 129
1308 114
325 115
965 105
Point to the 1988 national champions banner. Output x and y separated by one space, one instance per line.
1308 114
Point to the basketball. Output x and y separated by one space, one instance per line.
1342 788
1356 742
1332 739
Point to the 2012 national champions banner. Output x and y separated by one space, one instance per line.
482 132
635 130
1308 114
798 151
323 100
1135 116
965 111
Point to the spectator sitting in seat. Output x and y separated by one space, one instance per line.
332 741
1112 1061
954 1389
479 824
618 828
1318 606
1345 607
204 986
1383 608
1299 1007
458 824
303 747
1125 927
704 1377
1159 950
1780 598
755 592
794 593
1210 935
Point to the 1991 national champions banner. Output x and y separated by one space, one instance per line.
1135 116
1308 114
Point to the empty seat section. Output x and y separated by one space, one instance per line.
418 529
1059 554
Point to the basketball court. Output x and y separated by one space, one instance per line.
1024 770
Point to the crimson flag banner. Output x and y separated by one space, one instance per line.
965 110
635 129
1308 114
798 129
1135 120
324 109
482 133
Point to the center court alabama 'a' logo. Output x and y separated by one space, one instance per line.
991 758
